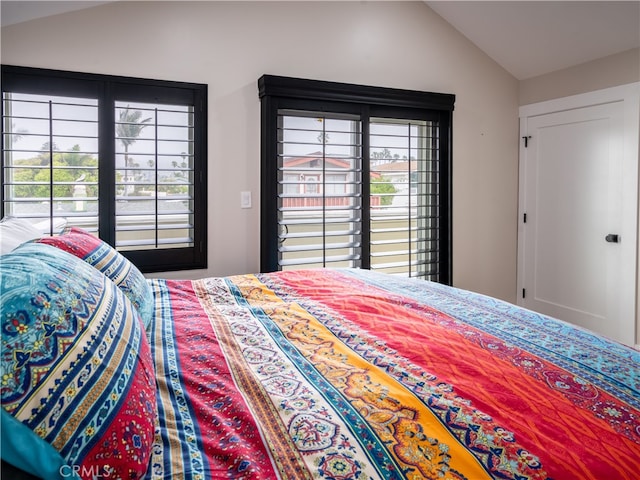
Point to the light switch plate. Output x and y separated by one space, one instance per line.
245 199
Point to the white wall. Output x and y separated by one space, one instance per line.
610 71
229 45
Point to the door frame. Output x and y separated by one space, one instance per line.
629 95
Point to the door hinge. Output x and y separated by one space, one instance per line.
524 293
524 218
526 140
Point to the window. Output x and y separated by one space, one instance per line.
124 158
355 176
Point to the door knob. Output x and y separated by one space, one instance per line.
612 238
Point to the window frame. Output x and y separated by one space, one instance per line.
278 93
108 89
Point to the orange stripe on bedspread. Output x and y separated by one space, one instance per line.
414 436
527 395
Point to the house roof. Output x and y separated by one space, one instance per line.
292 162
301 161
398 166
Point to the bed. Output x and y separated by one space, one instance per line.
300 374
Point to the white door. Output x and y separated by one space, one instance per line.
577 244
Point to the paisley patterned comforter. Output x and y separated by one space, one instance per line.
351 374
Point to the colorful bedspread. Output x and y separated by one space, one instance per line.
350 374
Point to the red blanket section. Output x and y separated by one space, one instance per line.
228 433
555 417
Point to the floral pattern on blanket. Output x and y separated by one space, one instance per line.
342 374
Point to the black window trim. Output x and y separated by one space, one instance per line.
279 92
107 89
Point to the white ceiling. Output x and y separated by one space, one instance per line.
527 38
530 38
17 11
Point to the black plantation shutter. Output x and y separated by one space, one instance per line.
319 190
50 159
405 197
355 176
124 158
154 147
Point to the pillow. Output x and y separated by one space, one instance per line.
54 227
16 231
78 384
110 262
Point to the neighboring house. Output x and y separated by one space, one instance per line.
310 180
399 173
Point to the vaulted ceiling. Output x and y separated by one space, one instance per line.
527 38
531 38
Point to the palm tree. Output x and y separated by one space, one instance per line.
128 129
16 135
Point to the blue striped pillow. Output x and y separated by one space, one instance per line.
78 383
99 254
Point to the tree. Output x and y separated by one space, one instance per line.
382 186
42 176
178 176
385 154
323 137
128 129
14 137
